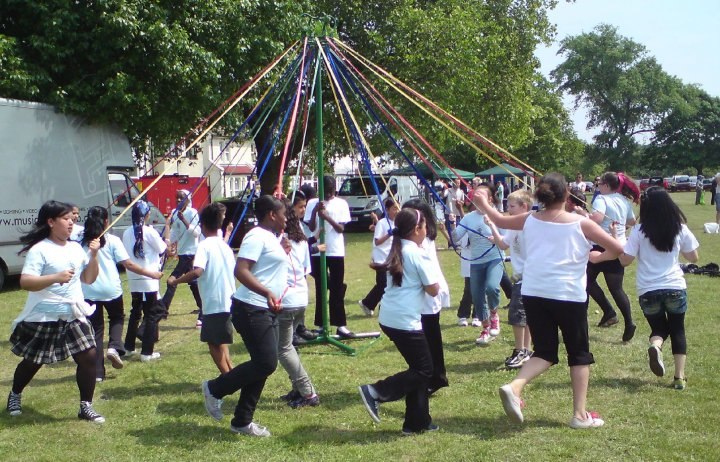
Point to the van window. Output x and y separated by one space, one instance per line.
357 187
122 188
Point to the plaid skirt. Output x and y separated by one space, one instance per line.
51 342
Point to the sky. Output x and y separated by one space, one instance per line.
682 35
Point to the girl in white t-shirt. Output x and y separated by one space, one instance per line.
53 324
145 247
557 249
106 292
262 270
294 304
382 240
656 243
613 207
411 275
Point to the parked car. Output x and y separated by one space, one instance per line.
707 184
235 207
589 187
644 184
681 183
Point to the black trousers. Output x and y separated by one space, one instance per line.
373 297
185 264
411 384
144 305
466 303
431 328
116 318
336 288
258 328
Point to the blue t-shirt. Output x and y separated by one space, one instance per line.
270 268
47 257
217 283
107 286
401 306
480 245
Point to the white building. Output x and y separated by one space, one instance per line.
227 167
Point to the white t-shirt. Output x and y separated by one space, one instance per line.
153 246
659 270
514 239
107 286
47 257
217 283
186 237
556 256
297 293
614 207
466 254
401 306
451 196
581 186
481 249
77 233
381 252
338 210
434 304
270 268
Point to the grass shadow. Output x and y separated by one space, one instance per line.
150 389
32 417
475 367
183 435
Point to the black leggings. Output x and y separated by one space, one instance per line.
614 281
666 324
84 374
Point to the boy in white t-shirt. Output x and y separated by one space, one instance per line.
519 202
336 213
213 267
382 239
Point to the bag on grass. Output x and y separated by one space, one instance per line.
711 228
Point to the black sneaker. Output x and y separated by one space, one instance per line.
302 402
607 321
512 358
371 404
88 413
629 333
430 428
14 407
291 396
517 360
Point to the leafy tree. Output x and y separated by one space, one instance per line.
689 135
626 91
152 67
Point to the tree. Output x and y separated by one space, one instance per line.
689 135
153 68
626 91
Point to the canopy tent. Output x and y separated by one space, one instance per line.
443 172
503 170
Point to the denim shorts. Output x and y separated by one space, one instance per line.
664 300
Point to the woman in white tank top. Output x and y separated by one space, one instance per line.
557 247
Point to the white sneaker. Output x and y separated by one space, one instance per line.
198 324
114 357
147 358
485 338
213 406
476 322
494 325
365 309
462 322
251 429
592 420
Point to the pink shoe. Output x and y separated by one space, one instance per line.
494 325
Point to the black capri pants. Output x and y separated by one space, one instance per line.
545 316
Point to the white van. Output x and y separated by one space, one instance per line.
360 195
48 155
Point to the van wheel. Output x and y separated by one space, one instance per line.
2 277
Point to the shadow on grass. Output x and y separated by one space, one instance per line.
30 416
475 367
150 389
184 435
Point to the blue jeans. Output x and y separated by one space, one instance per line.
485 286
665 310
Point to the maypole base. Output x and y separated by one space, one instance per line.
335 340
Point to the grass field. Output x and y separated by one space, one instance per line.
155 412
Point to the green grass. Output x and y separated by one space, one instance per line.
155 411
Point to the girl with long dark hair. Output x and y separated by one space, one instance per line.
145 248
613 207
661 237
411 276
106 292
54 325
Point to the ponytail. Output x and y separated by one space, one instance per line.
405 223
628 188
94 225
